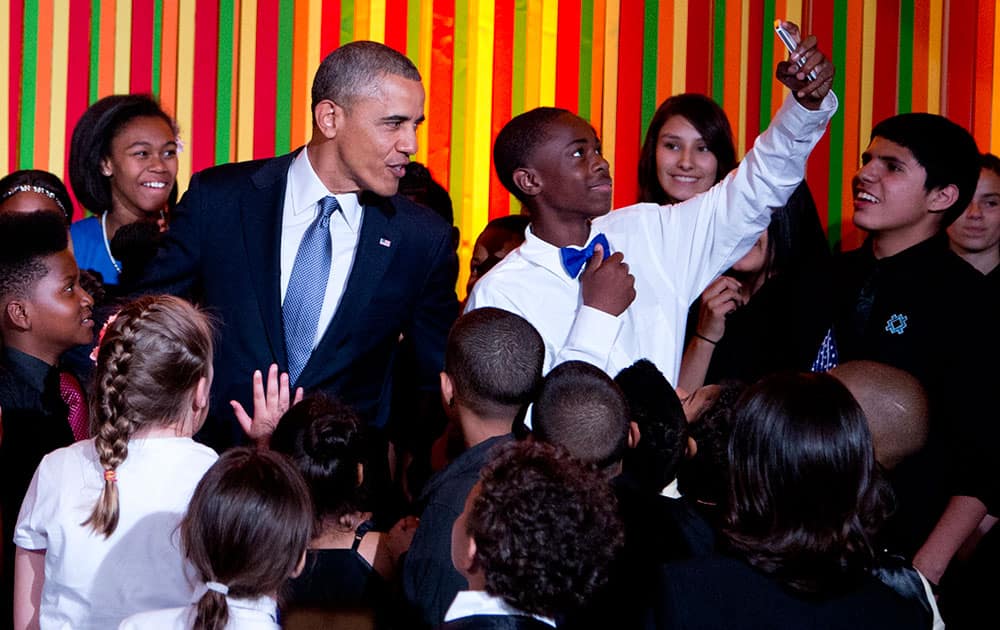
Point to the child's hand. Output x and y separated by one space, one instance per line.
721 298
268 406
606 283
808 93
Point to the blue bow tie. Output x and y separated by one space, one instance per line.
573 259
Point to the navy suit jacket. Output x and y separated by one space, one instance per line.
223 251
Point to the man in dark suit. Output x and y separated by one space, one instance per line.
310 260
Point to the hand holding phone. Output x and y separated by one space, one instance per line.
791 44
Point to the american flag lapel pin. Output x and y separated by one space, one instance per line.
384 242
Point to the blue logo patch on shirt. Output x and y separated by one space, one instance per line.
896 324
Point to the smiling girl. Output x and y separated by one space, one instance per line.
123 168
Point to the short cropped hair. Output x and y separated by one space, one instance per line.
91 143
946 150
990 162
581 409
708 119
323 438
494 359
546 528
655 408
357 69
40 182
25 240
518 140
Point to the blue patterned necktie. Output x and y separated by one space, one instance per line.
306 289
573 259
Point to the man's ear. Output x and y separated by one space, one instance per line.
328 118
18 313
527 180
633 434
447 390
942 198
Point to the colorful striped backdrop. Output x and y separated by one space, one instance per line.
236 74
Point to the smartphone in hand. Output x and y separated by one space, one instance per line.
791 44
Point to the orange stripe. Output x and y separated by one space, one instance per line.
921 32
734 47
300 85
43 85
664 75
106 74
168 59
984 74
777 87
854 141
597 74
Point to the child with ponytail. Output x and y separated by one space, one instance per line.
97 533
245 533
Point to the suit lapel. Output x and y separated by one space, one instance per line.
377 243
261 208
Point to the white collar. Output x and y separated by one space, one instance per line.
307 189
545 254
671 490
469 603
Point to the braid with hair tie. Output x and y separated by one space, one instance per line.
111 424
211 610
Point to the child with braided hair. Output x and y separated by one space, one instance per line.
97 533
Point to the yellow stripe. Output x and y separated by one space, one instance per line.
533 55
995 122
679 56
610 110
424 65
741 125
472 211
313 59
550 28
60 70
123 45
793 11
5 139
867 69
376 20
246 77
935 58
185 85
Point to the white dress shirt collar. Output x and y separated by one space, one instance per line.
546 255
307 189
469 603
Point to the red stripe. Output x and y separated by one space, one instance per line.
395 24
329 30
820 24
266 77
503 62
206 52
441 83
77 78
141 73
755 43
16 42
959 76
984 83
885 95
568 56
699 47
629 109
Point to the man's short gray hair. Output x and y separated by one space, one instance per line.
356 69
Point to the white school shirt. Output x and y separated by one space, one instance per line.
244 614
470 603
95 582
303 192
674 252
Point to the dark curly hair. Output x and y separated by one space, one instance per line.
323 438
546 528
805 493
518 139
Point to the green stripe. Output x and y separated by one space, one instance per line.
458 114
413 11
520 57
29 66
719 53
157 46
224 81
95 49
283 105
346 21
586 58
835 192
905 72
650 30
766 66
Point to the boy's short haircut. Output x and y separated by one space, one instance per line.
990 162
494 358
655 408
546 528
946 150
25 240
581 409
518 140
